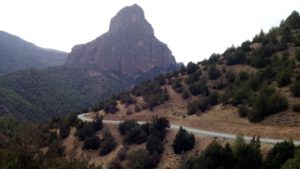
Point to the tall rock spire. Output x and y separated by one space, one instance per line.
129 46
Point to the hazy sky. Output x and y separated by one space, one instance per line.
193 29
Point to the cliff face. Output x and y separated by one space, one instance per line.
129 46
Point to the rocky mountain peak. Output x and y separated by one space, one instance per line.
129 46
130 18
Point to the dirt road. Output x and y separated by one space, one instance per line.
198 132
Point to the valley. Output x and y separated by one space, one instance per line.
111 63
122 101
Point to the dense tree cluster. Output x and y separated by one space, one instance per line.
292 162
127 99
64 131
21 145
191 68
213 72
23 141
266 102
137 134
87 133
92 142
242 155
296 107
199 88
279 154
297 54
214 58
126 126
194 77
267 45
247 89
39 95
203 103
293 21
177 86
235 56
253 92
109 105
152 93
295 88
183 142
142 159
284 77
161 79
152 133
107 144
185 94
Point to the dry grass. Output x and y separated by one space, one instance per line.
242 68
70 142
74 146
218 118
169 158
223 118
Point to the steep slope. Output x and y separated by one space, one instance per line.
40 95
251 89
18 54
129 46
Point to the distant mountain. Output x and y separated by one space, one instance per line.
128 54
129 46
18 54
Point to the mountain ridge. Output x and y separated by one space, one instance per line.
18 54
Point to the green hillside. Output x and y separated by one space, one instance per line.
260 77
36 95
42 94
18 54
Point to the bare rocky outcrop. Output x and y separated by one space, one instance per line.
129 46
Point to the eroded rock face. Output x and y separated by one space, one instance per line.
129 46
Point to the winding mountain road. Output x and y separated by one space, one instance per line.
198 132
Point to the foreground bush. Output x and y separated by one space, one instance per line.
64 131
278 155
141 159
87 130
136 136
154 144
266 102
126 126
199 88
191 68
213 72
183 142
92 142
108 143
295 88
296 107
293 163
